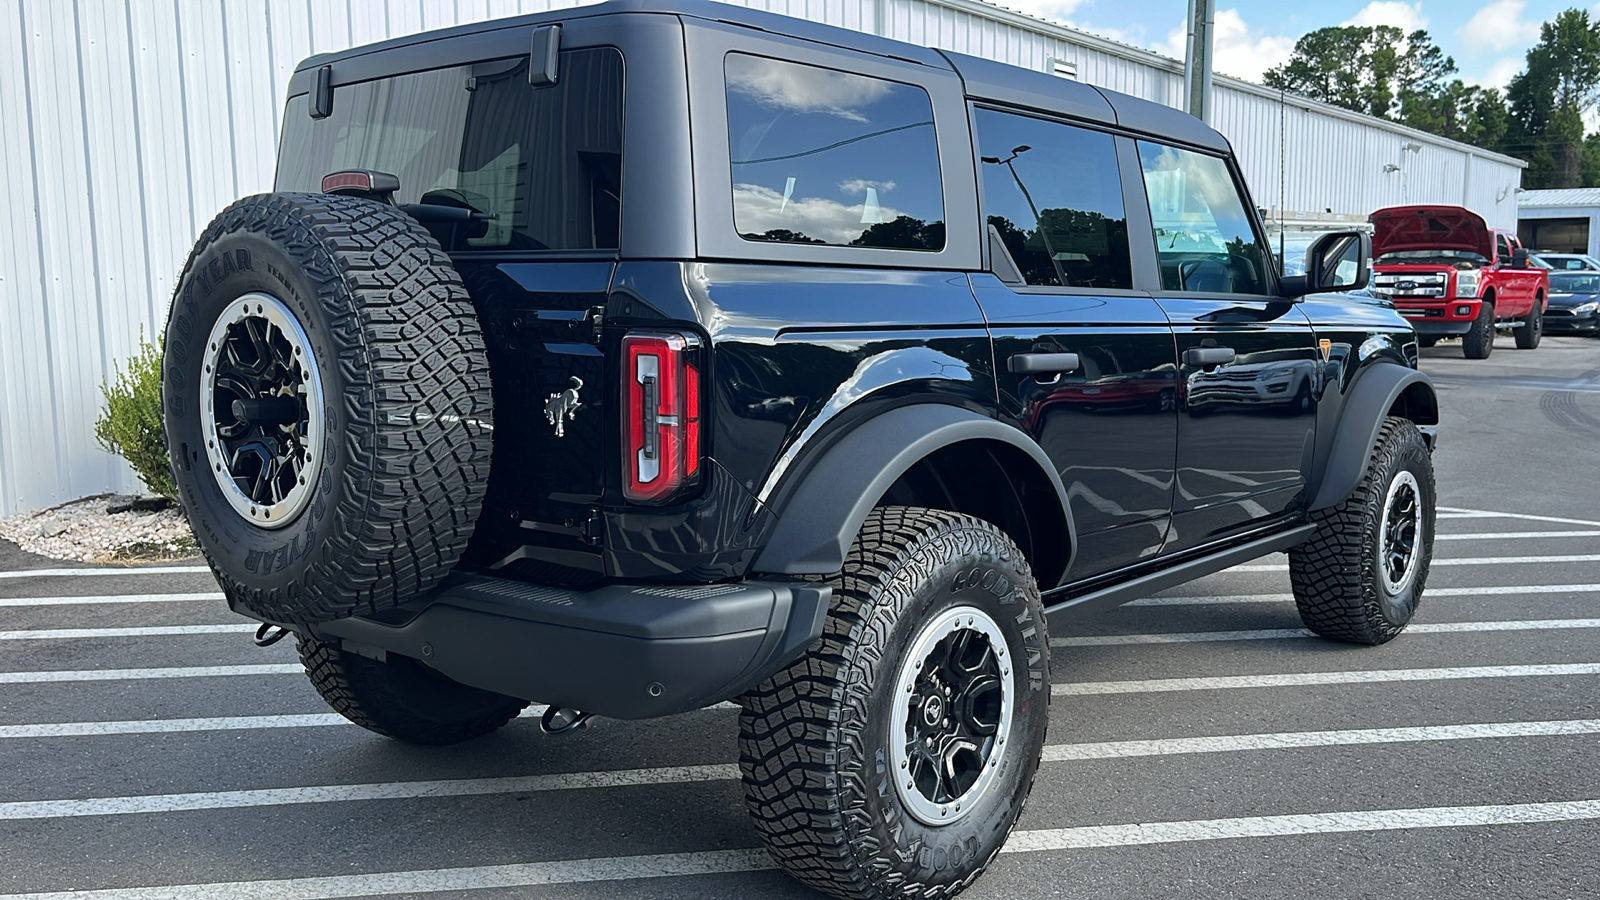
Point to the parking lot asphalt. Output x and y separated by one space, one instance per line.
1201 745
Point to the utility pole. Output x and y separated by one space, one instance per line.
1197 64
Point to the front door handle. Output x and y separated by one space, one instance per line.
1208 356
1042 363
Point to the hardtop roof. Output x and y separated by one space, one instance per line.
984 79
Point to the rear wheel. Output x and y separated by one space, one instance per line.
1478 342
1532 327
1361 576
402 698
893 759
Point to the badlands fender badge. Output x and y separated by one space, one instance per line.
563 407
1327 350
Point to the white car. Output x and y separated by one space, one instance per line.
1570 262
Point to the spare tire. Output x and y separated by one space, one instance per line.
325 392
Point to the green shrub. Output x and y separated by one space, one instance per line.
130 426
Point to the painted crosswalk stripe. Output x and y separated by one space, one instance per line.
526 784
103 599
143 570
55 634
1276 634
67 675
715 862
1307 679
1494 591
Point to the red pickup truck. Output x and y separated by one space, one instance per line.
1451 274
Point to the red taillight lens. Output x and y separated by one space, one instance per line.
661 418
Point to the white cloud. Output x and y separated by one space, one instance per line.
1238 50
759 209
860 185
1500 73
1498 25
804 89
1407 17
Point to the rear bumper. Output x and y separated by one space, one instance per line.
625 651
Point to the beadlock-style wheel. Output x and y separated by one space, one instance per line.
261 410
1400 534
954 711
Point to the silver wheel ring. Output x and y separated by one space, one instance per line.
945 624
1402 481
277 315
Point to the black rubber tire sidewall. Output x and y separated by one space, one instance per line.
1478 342
394 503
1532 330
1405 453
945 854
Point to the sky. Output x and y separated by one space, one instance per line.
1487 38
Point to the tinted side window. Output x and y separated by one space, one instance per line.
1054 193
1503 249
827 157
1204 238
541 167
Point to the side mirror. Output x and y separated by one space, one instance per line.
1519 258
1338 261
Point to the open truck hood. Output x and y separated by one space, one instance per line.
1401 228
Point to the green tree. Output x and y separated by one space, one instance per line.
1379 70
1549 99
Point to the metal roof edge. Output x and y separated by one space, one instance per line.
1159 60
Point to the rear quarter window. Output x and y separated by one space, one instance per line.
821 156
540 167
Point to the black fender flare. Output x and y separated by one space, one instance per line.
1375 393
825 509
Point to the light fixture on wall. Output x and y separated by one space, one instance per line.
1412 146
1391 167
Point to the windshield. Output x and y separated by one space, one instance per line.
1575 282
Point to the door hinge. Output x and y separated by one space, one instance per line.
594 530
597 321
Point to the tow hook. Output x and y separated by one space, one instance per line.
560 720
269 634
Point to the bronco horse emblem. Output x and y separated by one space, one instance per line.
563 407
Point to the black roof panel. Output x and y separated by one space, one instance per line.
986 79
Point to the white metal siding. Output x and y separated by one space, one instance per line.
125 125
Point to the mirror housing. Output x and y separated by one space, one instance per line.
1519 258
1338 261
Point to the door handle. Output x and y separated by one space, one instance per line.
1208 356
1042 363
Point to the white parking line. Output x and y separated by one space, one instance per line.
170 726
675 865
1305 679
53 634
101 599
144 570
524 784
1511 535
1499 590
1458 513
1276 634
139 674
1453 561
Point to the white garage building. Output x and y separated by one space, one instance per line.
128 125
1560 221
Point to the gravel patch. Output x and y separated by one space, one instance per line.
83 531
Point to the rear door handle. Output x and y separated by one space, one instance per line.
1042 363
1208 356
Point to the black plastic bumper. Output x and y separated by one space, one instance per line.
625 651
1440 328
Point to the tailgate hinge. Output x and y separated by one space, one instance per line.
597 321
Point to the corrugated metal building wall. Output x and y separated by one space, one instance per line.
126 124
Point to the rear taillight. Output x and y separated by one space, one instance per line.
661 418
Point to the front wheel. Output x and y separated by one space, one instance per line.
1478 342
893 759
1532 327
1361 576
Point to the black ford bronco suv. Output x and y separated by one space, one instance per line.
646 355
